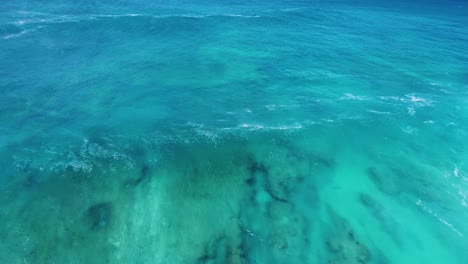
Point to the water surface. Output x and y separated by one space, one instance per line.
233 132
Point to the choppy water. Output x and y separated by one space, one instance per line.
234 132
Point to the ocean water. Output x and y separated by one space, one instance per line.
233 132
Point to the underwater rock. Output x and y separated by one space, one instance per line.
385 219
250 181
272 228
215 252
31 174
382 182
285 176
258 174
145 175
328 163
279 233
343 244
30 181
347 249
280 189
99 215
222 250
368 202
277 210
257 170
390 179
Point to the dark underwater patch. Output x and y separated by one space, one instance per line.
342 244
99 216
144 176
385 219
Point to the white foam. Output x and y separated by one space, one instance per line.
275 106
204 15
180 15
253 127
348 96
239 15
290 127
121 15
419 100
410 99
45 19
431 212
16 34
52 19
378 112
445 85
80 165
409 130
445 91
463 197
19 34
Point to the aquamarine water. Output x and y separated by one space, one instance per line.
233 132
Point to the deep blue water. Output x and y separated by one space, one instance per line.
233 132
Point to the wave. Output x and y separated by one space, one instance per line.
272 107
379 112
34 18
238 15
254 127
409 98
115 152
15 35
348 96
263 127
54 18
44 19
21 33
442 220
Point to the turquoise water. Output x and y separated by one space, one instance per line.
233 132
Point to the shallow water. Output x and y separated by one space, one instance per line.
233 132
